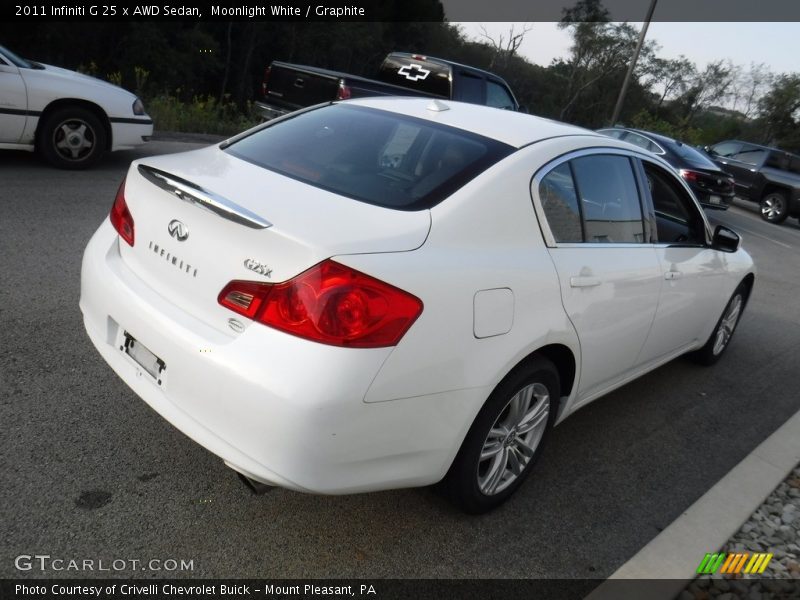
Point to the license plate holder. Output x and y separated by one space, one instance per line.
144 357
715 200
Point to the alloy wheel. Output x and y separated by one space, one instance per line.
728 324
513 439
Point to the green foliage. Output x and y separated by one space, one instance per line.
203 114
115 78
779 111
213 70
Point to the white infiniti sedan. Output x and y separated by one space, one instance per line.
386 293
71 119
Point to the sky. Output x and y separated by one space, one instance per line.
775 44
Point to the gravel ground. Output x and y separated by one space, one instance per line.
774 527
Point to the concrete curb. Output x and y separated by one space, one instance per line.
675 553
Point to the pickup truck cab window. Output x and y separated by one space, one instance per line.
752 155
725 149
470 88
498 96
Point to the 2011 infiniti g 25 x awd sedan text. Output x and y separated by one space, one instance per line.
386 293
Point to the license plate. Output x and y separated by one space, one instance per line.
715 200
142 356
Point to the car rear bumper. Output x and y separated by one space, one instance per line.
716 201
279 409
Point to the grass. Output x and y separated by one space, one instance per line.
201 115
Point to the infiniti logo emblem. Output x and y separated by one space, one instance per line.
178 230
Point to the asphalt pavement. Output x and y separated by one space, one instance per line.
89 472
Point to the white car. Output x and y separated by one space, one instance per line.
383 293
69 118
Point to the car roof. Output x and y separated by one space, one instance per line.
658 137
513 128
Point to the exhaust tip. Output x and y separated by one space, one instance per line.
254 486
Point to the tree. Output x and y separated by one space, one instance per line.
670 76
598 57
749 86
505 48
779 109
706 88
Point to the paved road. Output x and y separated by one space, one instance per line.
88 471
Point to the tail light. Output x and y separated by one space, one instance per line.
689 175
329 303
265 82
344 92
121 217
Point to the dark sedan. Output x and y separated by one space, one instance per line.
712 186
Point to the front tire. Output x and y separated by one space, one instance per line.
506 438
72 137
774 207
723 332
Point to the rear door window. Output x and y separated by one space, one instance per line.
609 198
593 199
560 203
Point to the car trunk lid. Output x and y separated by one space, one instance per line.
204 218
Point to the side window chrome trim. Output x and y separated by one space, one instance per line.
543 171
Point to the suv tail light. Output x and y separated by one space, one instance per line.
329 303
121 217
689 175
344 92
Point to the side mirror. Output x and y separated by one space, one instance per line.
725 239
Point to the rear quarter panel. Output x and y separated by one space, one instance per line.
486 236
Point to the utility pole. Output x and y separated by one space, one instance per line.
632 66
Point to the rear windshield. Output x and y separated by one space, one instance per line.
693 156
371 155
426 76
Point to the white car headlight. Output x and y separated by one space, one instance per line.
138 107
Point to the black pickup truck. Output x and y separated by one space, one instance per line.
288 87
765 175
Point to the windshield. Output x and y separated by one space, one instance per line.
371 155
14 59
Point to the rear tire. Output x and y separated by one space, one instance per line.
506 438
726 326
774 207
71 137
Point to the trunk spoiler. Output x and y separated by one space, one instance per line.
194 194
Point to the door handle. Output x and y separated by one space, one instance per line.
672 275
579 282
